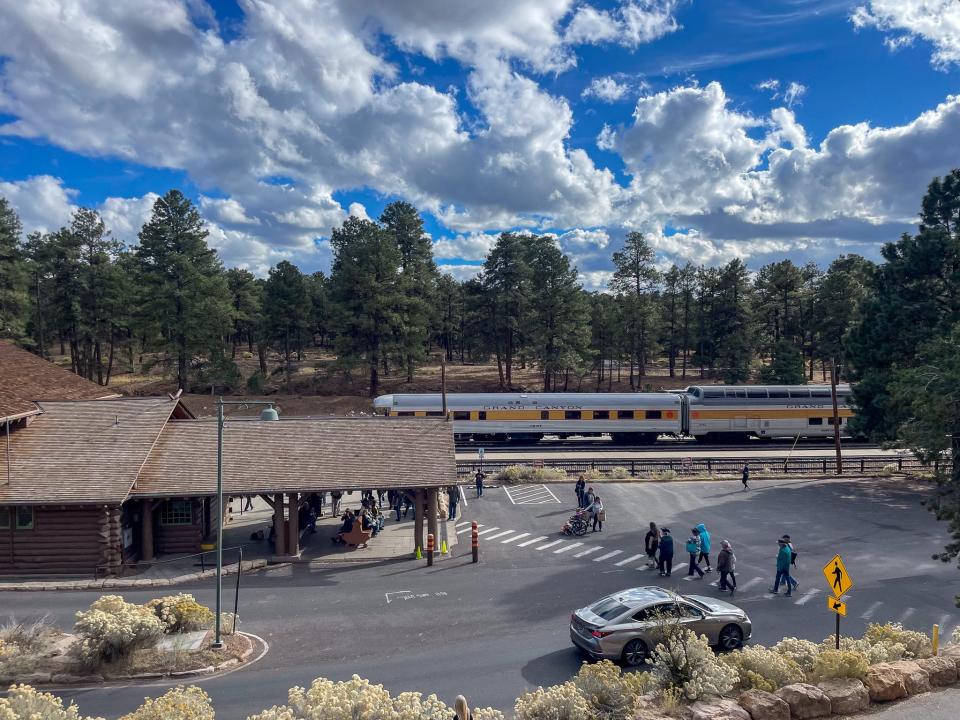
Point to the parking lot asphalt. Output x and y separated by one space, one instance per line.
498 628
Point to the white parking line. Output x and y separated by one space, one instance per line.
549 544
531 495
808 596
515 538
463 496
565 548
608 555
467 529
461 524
531 542
629 560
589 550
869 612
906 615
488 530
501 534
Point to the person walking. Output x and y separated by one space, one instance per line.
248 504
579 488
704 545
588 498
335 497
726 564
783 569
478 479
597 513
397 503
693 549
745 477
666 552
453 494
651 542
793 561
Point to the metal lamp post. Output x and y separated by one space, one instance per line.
268 413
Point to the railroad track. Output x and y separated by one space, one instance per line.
605 447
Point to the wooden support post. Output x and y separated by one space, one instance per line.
279 535
146 530
418 497
432 502
293 523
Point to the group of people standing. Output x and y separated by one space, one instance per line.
590 502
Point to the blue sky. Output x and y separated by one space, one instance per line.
759 130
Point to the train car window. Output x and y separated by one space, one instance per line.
404 413
601 414
714 393
740 393
624 414
796 393
654 414
482 415
571 415
434 413
461 414
820 393
758 393
544 414
777 393
815 421
830 421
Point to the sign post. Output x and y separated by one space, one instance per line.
839 582
480 457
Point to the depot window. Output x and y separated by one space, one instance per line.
624 414
601 414
176 512
4 518
461 414
654 414
571 415
23 514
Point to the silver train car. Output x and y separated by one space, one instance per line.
707 412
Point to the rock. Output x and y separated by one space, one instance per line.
847 695
715 709
805 701
915 678
762 705
941 670
69 679
952 652
885 684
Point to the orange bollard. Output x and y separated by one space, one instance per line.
430 548
475 541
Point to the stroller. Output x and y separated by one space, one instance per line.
577 524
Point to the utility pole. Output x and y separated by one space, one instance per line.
836 419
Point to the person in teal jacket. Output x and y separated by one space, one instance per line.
693 548
701 529
784 556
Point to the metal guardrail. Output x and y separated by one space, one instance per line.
638 467
149 563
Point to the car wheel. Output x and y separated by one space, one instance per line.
731 638
634 653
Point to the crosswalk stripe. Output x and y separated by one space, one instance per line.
750 583
868 613
500 534
460 525
488 530
629 560
808 596
608 555
466 530
589 550
549 544
515 538
531 542
906 615
565 548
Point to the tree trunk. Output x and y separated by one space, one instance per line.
374 378
500 368
99 362
110 359
409 367
286 353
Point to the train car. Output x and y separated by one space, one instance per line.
627 417
718 412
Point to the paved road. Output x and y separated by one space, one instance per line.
496 629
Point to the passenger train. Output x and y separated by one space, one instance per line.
706 412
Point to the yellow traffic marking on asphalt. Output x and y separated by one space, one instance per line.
837 606
838 579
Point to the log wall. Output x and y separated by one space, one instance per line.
65 540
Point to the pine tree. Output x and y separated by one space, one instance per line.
734 336
183 289
506 286
247 301
13 275
286 310
634 281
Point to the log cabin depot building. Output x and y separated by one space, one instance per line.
91 482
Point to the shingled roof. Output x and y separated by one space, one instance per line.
83 452
26 378
300 455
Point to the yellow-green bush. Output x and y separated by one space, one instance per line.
181 613
618 473
918 644
111 628
664 476
803 652
763 669
840 664
526 473
180 703
685 660
610 693
25 703
557 702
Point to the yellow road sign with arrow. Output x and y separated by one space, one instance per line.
837 606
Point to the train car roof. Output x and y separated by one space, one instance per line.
408 399
812 386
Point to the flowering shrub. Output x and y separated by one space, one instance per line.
880 652
917 644
664 476
803 652
610 693
840 664
25 703
763 669
181 613
525 473
618 473
180 703
685 660
112 627
557 702
956 635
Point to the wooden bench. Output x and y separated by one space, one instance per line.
357 535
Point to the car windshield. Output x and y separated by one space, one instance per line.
609 608
696 603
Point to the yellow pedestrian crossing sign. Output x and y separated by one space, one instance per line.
837 577
837 606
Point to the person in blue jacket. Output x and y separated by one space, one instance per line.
704 545
784 556
666 552
693 548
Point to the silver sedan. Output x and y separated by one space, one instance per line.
624 626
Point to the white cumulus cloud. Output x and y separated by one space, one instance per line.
935 21
606 88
